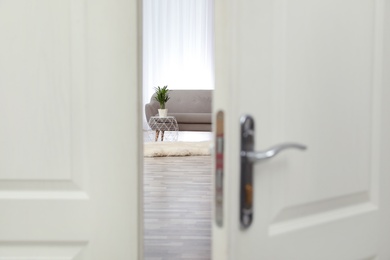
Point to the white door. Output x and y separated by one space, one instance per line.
313 72
68 130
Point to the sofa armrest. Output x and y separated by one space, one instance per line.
150 110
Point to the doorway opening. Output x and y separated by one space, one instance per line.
178 52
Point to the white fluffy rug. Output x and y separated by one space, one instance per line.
160 149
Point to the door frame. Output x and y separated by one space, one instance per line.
138 31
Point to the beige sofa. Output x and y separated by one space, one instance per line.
191 108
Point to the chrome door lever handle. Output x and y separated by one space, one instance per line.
254 156
248 158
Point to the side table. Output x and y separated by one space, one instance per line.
162 124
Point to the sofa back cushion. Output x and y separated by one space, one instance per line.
192 118
188 101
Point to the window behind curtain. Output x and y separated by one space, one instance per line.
177 45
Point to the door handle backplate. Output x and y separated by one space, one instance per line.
248 158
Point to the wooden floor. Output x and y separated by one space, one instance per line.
177 207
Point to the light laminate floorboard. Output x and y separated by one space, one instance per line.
177 208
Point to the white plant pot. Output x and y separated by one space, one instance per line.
163 112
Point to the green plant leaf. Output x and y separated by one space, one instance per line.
162 95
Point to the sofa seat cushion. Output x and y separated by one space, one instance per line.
197 118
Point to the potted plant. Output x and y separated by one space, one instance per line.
162 97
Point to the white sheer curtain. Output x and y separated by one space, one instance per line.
177 45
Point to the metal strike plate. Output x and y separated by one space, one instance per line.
219 165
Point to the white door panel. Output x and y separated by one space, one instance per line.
308 72
68 156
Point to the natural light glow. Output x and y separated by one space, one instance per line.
177 45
